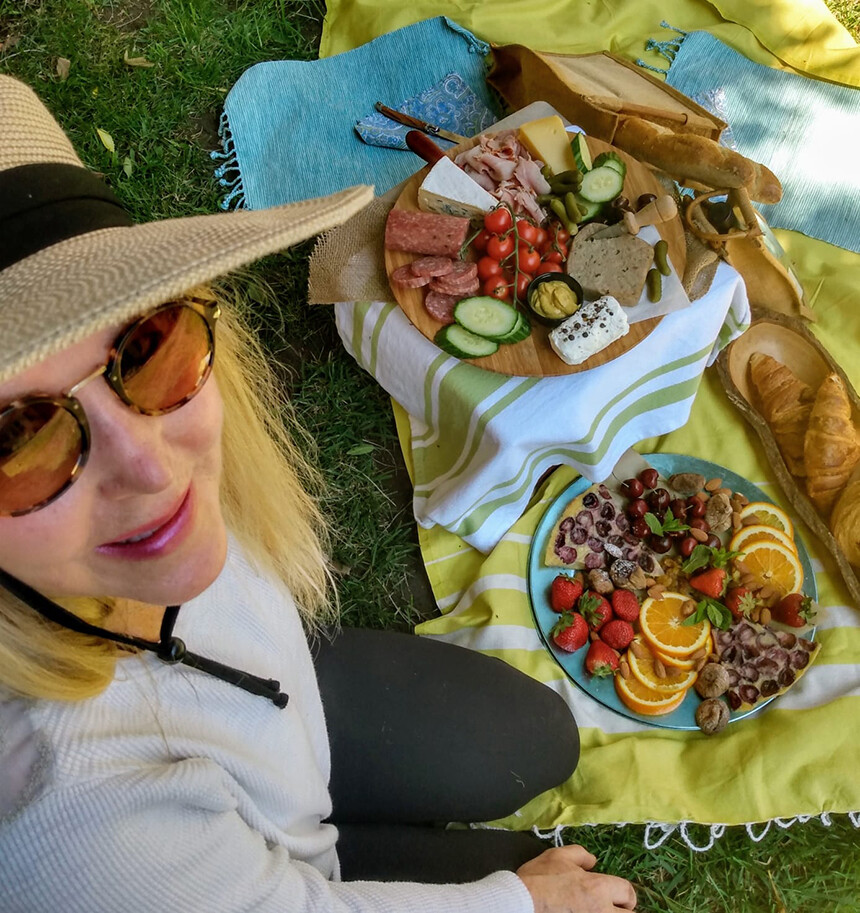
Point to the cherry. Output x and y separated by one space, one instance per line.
696 507
686 546
639 528
660 544
637 508
699 523
632 488
659 499
713 541
649 477
679 508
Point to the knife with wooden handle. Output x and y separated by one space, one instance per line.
409 121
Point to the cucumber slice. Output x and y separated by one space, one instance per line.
589 209
521 331
581 155
611 160
486 316
459 342
601 185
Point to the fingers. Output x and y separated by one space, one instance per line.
620 892
579 855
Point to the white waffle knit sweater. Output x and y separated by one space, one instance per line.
174 791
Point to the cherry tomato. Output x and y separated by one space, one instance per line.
499 248
496 287
528 259
527 231
561 235
498 221
551 255
541 236
523 280
548 266
488 267
480 241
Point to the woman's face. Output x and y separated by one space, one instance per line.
151 479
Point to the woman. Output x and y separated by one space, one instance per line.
140 775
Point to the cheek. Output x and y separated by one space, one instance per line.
194 431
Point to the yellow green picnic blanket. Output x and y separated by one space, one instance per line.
799 756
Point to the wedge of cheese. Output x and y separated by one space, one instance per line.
547 140
447 189
590 330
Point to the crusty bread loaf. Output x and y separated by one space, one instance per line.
696 158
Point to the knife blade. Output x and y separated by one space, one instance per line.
409 121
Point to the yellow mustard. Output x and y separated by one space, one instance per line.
554 300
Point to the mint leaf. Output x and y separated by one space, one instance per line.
712 610
720 557
672 524
654 524
699 557
698 616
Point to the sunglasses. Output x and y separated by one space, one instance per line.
157 364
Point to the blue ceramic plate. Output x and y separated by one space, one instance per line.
540 579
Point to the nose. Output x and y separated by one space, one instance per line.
128 452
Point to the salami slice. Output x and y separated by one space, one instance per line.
460 289
425 233
441 307
404 276
463 269
432 266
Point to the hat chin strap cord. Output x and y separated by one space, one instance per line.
168 649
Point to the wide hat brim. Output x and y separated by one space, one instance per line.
66 292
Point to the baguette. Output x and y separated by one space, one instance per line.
696 158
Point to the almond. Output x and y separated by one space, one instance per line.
593 636
699 654
625 669
766 591
639 650
743 499
736 521
740 567
656 591
649 582
659 668
699 534
765 616
751 520
724 491
713 485
748 579
687 608
700 663
755 614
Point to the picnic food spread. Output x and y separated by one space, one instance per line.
519 204
681 587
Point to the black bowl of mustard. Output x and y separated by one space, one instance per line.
553 297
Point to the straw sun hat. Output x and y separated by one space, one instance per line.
71 261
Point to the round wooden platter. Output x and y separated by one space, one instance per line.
533 357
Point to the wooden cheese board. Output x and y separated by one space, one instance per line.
533 357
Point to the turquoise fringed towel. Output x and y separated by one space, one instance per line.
288 127
807 131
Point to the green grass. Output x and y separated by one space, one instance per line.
163 121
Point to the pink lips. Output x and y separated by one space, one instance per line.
163 536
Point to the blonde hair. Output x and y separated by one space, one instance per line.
267 506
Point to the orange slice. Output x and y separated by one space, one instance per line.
774 565
747 534
662 625
643 669
642 699
674 662
768 514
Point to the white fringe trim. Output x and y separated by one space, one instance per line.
657 833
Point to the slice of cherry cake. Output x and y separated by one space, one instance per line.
594 532
761 661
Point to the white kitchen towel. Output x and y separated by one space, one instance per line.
481 440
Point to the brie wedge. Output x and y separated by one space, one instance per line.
447 189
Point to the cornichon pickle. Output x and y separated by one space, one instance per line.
654 284
661 254
557 206
572 207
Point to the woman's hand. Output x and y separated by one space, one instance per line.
561 881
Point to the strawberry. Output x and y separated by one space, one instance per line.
595 609
564 592
617 634
601 660
570 632
625 605
795 610
739 601
710 582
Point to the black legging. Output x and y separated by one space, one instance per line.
423 733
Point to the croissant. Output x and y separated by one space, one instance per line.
785 402
845 522
830 449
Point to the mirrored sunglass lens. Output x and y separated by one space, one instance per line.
166 359
40 445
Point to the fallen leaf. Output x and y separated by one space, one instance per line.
9 42
127 166
136 61
359 449
62 68
107 139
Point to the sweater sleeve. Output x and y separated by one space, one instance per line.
129 843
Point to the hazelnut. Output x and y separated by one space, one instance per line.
712 716
713 680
